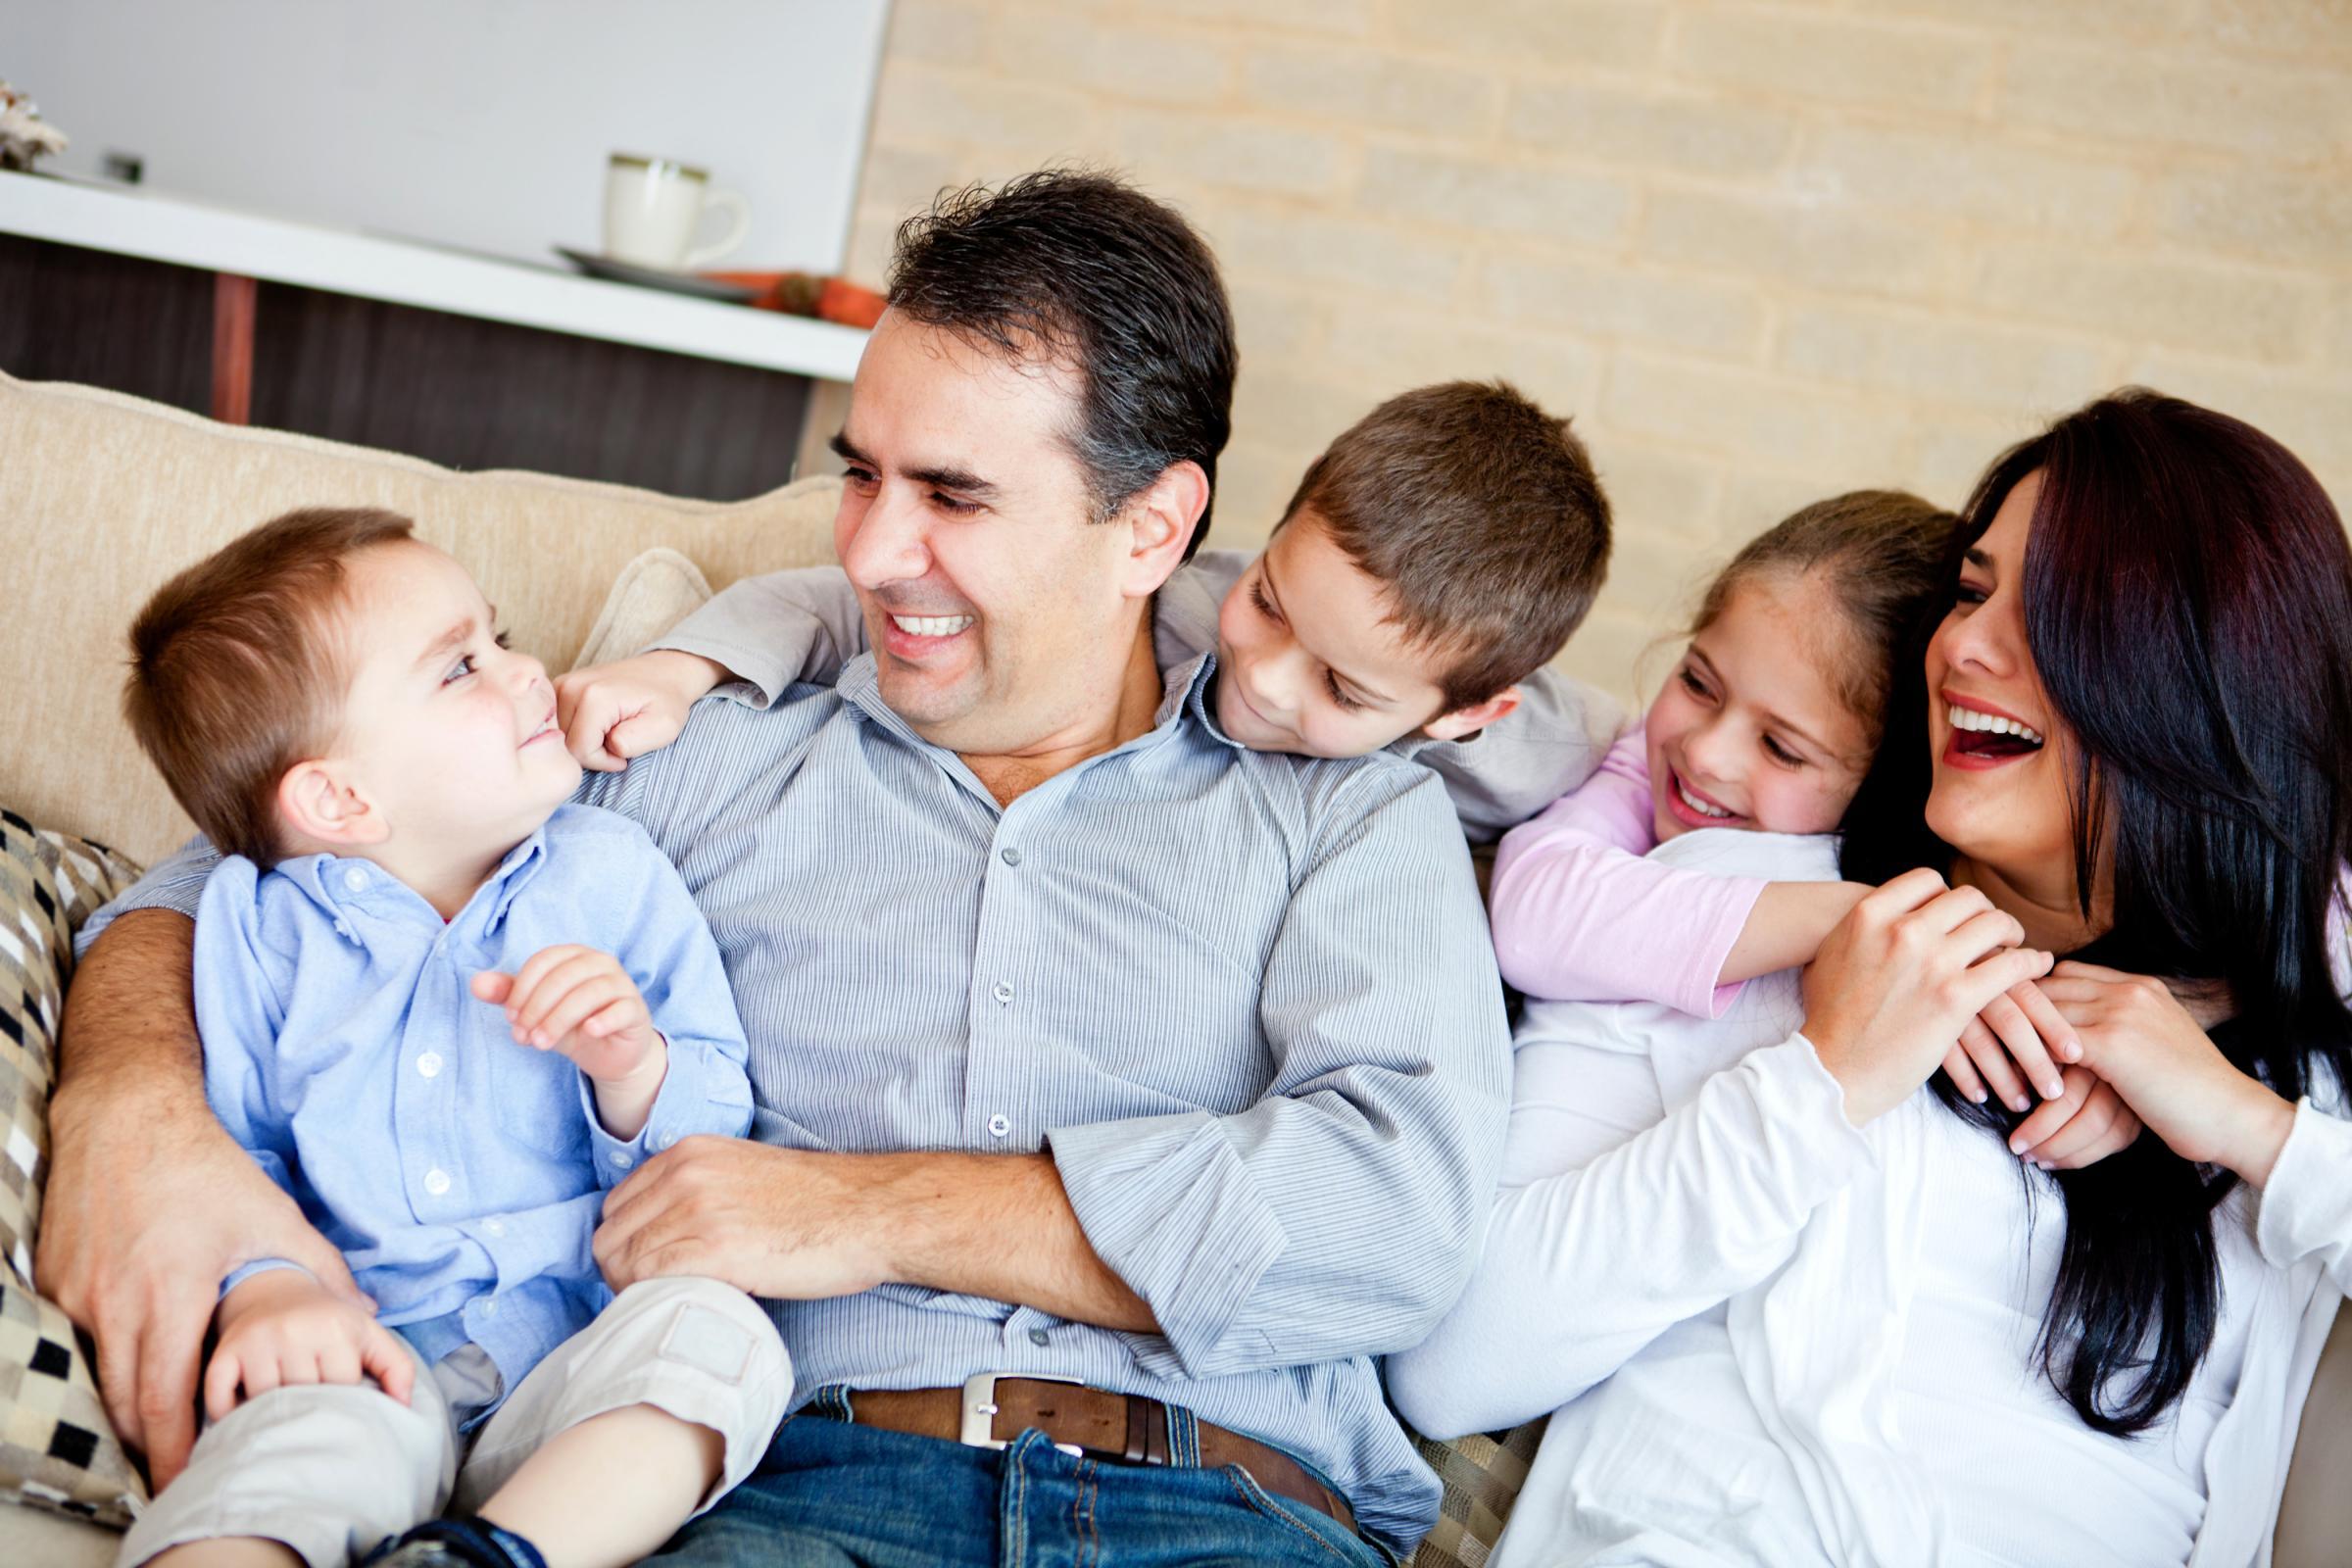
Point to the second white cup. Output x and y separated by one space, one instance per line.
653 207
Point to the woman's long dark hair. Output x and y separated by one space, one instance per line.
2189 604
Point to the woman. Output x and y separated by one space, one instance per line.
1790 1309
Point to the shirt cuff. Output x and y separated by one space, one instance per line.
2306 1205
1797 1096
1169 1204
259 1265
695 1097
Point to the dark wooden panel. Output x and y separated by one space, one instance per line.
70 314
467 393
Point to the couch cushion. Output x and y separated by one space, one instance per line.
56 1448
108 495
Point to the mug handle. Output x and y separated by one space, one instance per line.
704 256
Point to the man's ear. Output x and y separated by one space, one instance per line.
1478 715
1161 519
321 805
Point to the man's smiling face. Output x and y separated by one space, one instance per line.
992 597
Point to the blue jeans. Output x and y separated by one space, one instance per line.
832 1494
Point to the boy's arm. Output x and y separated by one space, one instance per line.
772 632
1551 743
149 1204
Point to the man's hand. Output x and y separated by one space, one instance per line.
150 1205
612 713
790 1224
282 1327
781 1223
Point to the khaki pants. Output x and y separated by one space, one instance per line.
333 1470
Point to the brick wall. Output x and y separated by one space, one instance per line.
1762 252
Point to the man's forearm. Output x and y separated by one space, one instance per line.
129 1029
999 1226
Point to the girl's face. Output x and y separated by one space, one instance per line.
2003 788
1750 732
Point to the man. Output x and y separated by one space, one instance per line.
1121 1093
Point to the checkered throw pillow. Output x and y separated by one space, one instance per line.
56 1448
1482 1475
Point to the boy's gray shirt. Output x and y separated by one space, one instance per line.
803 625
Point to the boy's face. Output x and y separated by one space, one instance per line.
1307 660
449 735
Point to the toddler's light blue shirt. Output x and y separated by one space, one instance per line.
461 1174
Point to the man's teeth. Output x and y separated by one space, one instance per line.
931 625
1697 805
1991 725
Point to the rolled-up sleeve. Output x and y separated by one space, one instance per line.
1339 1215
175 883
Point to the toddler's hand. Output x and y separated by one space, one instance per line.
612 713
282 1327
580 1004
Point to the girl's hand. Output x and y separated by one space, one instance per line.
1898 980
2082 1126
2138 1037
2017 1039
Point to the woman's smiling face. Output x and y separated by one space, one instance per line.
2003 759
1752 730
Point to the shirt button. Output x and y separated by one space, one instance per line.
495 1227
490 1308
1009 855
619 1158
430 1064
667 1140
437 1181
999 1125
1002 991
354 879
1038 1337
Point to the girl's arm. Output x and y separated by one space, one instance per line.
1614 1224
1579 916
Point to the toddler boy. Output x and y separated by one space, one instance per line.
447 1012
1432 561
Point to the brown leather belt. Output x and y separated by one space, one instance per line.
990 1411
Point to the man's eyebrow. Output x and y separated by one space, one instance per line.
961 480
1371 693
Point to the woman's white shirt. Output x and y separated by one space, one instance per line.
1770 1336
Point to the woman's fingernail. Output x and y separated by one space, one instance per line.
2071 1051
2021 1103
2052 1090
2017 1146
1979 1097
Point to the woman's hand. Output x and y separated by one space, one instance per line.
1899 979
2140 1037
2083 1125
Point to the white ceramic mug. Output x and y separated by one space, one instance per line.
653 207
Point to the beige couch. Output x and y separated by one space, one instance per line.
102 496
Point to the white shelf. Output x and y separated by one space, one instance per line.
217 240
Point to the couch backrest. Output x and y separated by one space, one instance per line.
103 495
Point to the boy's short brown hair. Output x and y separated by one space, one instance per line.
238 674
1482 518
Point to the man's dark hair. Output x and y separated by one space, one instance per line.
1083 269
1480 515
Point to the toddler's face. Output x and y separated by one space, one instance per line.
452 735
1307 660
1749 731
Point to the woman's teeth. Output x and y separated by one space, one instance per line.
1696 803
1969 718
931 625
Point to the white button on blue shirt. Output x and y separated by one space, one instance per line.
430 1064
437 1181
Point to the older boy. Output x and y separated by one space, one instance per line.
333 704
1431 560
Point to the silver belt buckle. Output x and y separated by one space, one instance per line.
979 1425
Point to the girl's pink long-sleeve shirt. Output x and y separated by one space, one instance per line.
1579 916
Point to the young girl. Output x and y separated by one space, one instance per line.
1768 723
